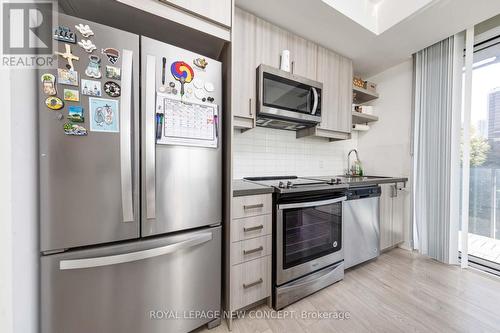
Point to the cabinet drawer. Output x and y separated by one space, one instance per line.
252 205
250 282
250 249
251 227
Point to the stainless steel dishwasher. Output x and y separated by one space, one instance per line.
361 220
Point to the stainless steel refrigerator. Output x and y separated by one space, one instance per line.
130 210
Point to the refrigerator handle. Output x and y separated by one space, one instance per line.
125 138
135 256
150 137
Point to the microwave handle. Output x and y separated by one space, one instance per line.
316 97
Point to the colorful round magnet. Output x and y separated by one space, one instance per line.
182 72
49 84
54 103
112 89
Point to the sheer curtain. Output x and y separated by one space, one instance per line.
437 83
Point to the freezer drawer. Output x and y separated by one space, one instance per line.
361 230
123 288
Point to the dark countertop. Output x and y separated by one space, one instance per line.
242 187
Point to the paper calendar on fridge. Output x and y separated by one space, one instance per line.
186 123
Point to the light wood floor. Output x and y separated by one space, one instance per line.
399 292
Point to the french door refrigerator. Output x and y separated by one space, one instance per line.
130 184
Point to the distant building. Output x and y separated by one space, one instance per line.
494 115
494 127
482 128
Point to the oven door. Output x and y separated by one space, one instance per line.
308 236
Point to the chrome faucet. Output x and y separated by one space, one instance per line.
349 173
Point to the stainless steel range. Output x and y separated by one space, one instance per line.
307 236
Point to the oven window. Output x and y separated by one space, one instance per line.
286 94
310 233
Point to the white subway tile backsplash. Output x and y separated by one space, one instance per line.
269 152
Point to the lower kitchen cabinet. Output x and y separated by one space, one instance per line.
248 253
392 216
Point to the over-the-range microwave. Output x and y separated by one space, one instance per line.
287 101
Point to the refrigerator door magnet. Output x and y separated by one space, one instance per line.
91 88
71 95
200 94
64 34
67 77
209 86
198 83
112 89
103 115
84 29
54 103
87 45
201 63
49 84
68 56
182 72
113 73
93 69
75 114
74 129
112 54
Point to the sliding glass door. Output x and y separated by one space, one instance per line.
484 184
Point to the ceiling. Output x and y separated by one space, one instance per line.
371 53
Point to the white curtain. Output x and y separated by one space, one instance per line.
435 110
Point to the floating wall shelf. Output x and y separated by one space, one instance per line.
362 118
362 95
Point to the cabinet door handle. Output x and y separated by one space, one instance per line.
258 249
258 227
293 66
246 286
250 107
245 207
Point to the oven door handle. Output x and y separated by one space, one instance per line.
311 204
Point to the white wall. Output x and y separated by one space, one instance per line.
270 152
19 204
25 246
385 149
6 296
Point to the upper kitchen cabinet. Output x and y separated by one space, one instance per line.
244 66
303 54
218 11
212 17
270 41
255 42
335 72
